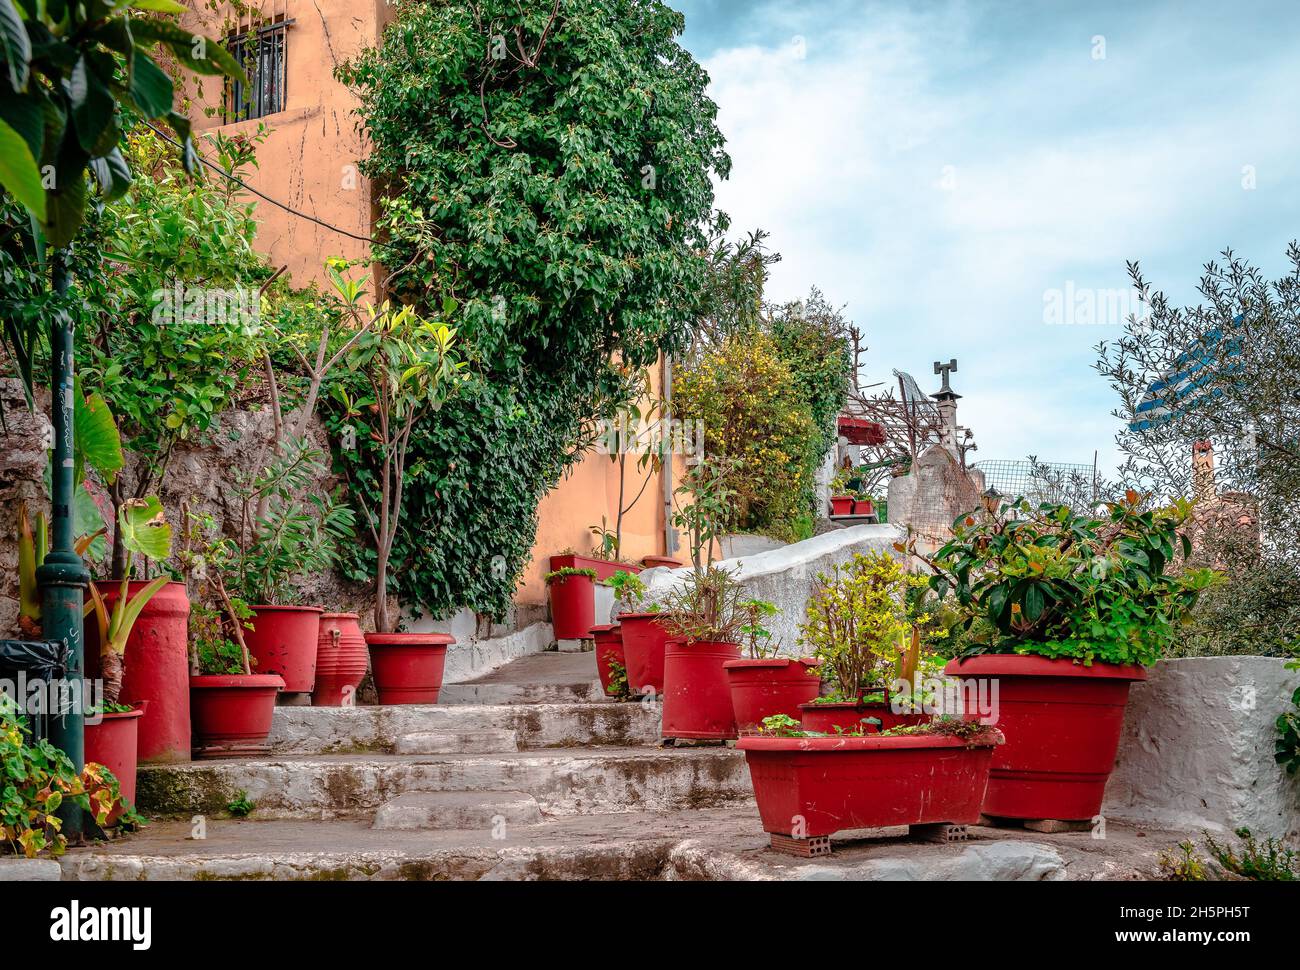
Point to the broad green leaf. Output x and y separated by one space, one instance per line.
158 6
112 174
96 441
19 173
23 113
16 45
151 88
144 528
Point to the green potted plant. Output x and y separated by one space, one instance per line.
409 367
573 601
810 785
1061 612
703 619
764 683
285 533
231 703
641 633
857 624
112 731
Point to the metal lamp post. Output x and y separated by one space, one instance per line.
63 577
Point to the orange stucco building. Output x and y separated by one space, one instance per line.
309 162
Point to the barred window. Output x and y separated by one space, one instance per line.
260 52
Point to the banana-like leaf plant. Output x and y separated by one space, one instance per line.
145 532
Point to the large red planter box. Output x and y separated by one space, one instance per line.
810 787
603 568
1062 722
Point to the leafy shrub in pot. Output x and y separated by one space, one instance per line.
1061 608
703 620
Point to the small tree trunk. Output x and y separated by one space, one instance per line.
111 669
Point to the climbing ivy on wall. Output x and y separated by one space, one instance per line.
550 169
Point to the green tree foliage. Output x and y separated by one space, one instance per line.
549 168
768 391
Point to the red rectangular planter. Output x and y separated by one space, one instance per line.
810 787
603 568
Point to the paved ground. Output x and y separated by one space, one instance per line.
725 843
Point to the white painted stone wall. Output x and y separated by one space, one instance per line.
473 655
1197 748
786 576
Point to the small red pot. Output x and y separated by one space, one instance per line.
408 667
808 787
156 669
1062 722
113 743
651 561
341 660
232 713
841 505
697 694
609 647
644 639
763 688
863 508
573 606
603 568
846 716
283 641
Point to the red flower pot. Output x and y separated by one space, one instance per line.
1062 723
809 787
846 716
862 508
762 688
157 670
341 660
643 650
283 641
573 606
697 694
609 647
651 561
407 667
232 713
603 568
841 505
113 743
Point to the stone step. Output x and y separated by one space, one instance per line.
321 730
489 741
576 692
553 677
722 843
582 781
490 811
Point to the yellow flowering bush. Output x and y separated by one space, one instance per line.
753 412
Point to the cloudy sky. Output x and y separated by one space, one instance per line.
941 166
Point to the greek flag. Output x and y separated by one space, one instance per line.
1186 388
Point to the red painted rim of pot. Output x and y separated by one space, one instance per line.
642 616
773 662
604 627
339 616
409 639
1021 665
237 680
120 715
287 609
871 742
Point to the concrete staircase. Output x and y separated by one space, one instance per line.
503 762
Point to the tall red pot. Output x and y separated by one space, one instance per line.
609 648
1062 723
573 606
697 694
114 743
232 713
157 669
283 640
763 688
407 667
341 660
643 649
